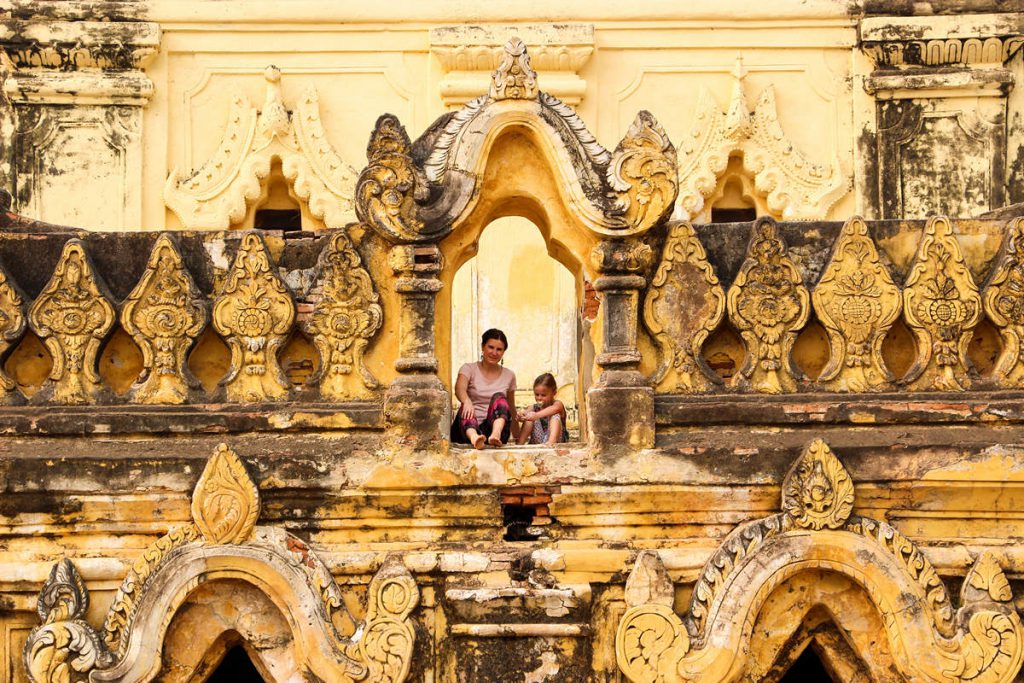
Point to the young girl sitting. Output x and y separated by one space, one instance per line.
545 421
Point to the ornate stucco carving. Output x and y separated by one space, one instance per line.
941 305
221 192
72 315
794 187
164 314
684 304
12 326
254 312
982 641
514 79
345 318
222 543
768 304
642 173
857 302
1004 304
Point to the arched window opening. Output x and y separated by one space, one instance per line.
807 669
236 667
279 210
734 205
513 284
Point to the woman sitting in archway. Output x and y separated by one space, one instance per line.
485 390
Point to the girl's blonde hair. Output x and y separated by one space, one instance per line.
546 380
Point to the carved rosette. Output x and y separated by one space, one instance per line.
983 641
1003 298
818 492
65 648
389 186
164 314
643 174
768 304
12 326
514 79
254 312
72 316
684 304
344 319
941 305
226 501
857 302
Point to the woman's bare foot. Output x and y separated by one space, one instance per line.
475 438
494 440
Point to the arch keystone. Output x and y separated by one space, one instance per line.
226 502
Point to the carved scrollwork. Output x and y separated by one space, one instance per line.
1003 297
982 641
684 304
941 305
857 302
72 315
254 312
643 173
388 639
817 493
768 304
164 314
226 502
514 79
12 326
65 648
344 320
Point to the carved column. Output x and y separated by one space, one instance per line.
621 403
74 88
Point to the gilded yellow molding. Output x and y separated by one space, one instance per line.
816 532
642 173
226 502
72 316
941 305
12 326
684 304
254 312
1003 298
857 302
768 304
344 319
164 314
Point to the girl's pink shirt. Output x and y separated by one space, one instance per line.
480 389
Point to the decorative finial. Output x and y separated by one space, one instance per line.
226 502
274 117
737 118
514 78
818 492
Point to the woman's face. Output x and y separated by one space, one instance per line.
493 350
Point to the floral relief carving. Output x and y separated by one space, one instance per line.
388 640
344 320
389 186
982 641
642 173
514 79
254 312
684 304
72 316
857 302
768 304
1004 304
223 190
164 314
941 305
226 502
12 326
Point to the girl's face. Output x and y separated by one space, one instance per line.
493 350
543 395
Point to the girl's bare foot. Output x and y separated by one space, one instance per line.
494 440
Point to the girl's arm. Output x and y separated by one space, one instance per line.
555 407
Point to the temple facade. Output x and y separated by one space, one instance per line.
772 253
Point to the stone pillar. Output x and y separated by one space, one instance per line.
416 408
621 402
74 89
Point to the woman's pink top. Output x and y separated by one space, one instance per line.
481 389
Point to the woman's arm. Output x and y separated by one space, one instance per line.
513 418
552 409
462 393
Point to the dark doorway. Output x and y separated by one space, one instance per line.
236 667
741 215
288 220
807 669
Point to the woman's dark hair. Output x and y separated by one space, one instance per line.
494 333
546 380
